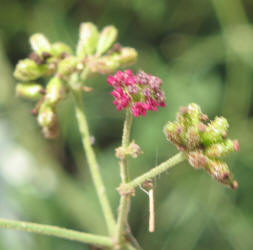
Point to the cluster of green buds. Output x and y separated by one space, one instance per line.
204 143
64 70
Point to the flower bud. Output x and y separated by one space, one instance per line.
220 149
192 138
194 112
175 133
46 116
51 132
219 170
88 39
127 56
40 43
106 39
197 159
54 90
67 65
29 90
59 49
28 70
215 131
104 65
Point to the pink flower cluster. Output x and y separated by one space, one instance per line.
139 92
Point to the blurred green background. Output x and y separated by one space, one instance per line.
203 51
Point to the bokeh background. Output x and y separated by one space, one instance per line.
203 51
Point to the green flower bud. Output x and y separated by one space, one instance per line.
40 43
52 131
192 138
67 65
127 56
176 134
103 65
220 149
54 90
106 39
27 70
215 131
194 113
46 116
29 90
219 170
59 49
197 159
88 39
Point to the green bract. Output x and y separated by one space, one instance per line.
204 144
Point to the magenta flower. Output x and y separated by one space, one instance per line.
139 92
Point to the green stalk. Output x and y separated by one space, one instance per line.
124 173
56 232
128 187
93 165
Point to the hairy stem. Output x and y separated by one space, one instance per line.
124 199
56 232
93 165
128 187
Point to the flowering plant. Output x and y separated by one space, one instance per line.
203 145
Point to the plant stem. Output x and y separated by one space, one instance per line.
128 187
124 199
93 165
56 231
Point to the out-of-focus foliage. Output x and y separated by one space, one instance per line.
203 51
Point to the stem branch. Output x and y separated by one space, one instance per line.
56 231
124 199
93 165
128 187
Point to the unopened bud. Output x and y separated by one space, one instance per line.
54 90
194 112
127 56
59 48
192 138
46 116
103 65
28 70
29 90
215 131
175 133
106 39
88 39
67 65
197 159
40 43
220 149
219 170
52 131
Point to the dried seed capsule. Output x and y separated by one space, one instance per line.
54 90
215 131
106 39
40 43
28 70
29 90
88 39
